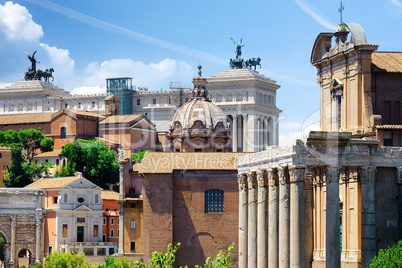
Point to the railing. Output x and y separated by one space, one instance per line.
91 244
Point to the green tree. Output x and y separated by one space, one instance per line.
30 140
99 162
390 258
65 260
160 259
137 157
221 261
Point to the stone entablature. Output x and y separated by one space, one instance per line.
331 180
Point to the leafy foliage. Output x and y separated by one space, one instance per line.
137 157
21 172
221 261
92 158
159 259
391 257
65 260
28 139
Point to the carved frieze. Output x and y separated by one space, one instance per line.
308 179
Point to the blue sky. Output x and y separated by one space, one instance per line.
156 42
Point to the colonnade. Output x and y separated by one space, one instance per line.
289 216
251 133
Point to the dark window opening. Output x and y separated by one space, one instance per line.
63 133
132 246
388 138
197 149
55 199
214 201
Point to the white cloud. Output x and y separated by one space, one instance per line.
397 3
17 24
61 62
290 138
311 11
154 75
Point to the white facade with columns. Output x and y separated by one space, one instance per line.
247 98
332 202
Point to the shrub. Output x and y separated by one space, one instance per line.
391 257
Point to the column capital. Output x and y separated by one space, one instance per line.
308 179
367 174
261 178
399 175
251 179
333 174
296 174
242 180
283 175
273 176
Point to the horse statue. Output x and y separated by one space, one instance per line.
236 64
254 62
47 74
29 75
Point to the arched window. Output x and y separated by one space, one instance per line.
65 198
63 133
214 201
96 198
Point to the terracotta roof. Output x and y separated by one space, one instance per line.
48 183
110 195
25 118
110 97
388 127
116 119
54 153
386 61
74 113
161 162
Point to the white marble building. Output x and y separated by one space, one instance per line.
246 97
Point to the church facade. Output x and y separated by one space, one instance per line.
334 200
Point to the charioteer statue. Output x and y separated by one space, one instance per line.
239 63
33 74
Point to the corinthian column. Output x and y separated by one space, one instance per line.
308 218
262 249
12 253
38 240
297 242
121 162
243 207
235 136
273 218
284 217
368 227
252 220
332 222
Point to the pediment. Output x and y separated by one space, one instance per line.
83 208
336 84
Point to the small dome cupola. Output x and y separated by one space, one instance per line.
199 125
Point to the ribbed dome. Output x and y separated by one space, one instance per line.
199 125
201 110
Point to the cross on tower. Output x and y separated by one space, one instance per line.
342 8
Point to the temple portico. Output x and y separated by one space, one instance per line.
315 204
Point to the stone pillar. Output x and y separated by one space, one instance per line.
235 136
284 218
273 218
245 134
308 218
266 132
122 161
332 220
297 242
262 249
243 229
368 221
12 253
38 240
252 220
